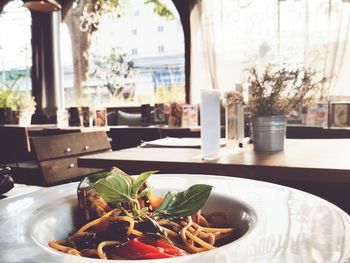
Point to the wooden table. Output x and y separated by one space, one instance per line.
317 166
310 160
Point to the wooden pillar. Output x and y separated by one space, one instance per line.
184 8
46 69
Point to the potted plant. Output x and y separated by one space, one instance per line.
272 96
7 104
26 106
10 98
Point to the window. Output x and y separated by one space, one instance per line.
15 47
123 70
134 51
67 67
231 36
160 28
161 49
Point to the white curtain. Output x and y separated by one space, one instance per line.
229 36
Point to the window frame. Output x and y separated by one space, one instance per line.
160 28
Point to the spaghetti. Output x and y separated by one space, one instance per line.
119 233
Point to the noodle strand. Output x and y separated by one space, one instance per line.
103 244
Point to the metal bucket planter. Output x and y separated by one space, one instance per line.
268 133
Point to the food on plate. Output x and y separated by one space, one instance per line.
124 219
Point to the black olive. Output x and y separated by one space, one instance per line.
88 241
115 231
149 226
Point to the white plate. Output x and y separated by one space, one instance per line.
286 225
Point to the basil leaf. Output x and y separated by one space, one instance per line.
140 180
95 177
114 188
144 192
116 170
91 179
168 199
186 203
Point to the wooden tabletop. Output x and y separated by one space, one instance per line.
49 127
313 160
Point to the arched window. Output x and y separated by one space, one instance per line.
134 57
15 47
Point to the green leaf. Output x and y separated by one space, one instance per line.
95 177
144 192
140 180
167 201
89 180
144 210
186 203
114 188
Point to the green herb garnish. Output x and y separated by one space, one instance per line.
186 203
117 189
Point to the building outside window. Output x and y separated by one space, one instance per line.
135 82
161 49
134 51
160 28
15 47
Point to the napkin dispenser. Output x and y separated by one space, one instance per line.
210 124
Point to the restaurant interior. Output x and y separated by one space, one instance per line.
248 101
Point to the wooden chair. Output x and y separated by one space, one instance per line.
14 145
128 137
15 152
57 155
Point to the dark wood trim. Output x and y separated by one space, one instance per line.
3 3
66 5
184 8
309 132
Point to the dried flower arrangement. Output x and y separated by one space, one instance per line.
232 97
278 92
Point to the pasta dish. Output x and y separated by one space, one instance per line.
124 219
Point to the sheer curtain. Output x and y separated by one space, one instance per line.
229 36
